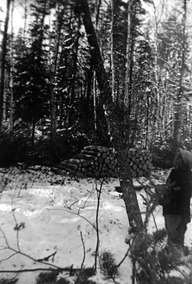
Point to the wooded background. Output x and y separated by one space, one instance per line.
101 72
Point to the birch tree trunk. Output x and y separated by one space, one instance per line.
126 90
53 70
156 74
125 177
131 13
11 71
178 103
3 61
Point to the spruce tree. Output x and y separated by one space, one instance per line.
31 87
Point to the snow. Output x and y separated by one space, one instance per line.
53 217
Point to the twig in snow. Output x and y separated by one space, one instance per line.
9 257
126 254
17 228
46 258
15 251
82 264
78 214
97 221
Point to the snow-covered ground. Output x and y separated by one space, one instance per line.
46 215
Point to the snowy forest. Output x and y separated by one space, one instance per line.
75 74
82 79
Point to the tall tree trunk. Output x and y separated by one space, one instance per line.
131 12
156 73
25 19
98 6
33 132
178 103
97 60
11 71
3 62
112 51
129 193
53 112
95 102
53 70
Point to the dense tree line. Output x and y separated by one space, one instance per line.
53 90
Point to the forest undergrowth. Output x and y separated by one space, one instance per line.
151 261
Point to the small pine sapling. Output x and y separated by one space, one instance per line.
108 265
47 277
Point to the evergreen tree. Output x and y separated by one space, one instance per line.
31 88
143 94
74 78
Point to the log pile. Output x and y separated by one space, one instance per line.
93 161
99 162
140 162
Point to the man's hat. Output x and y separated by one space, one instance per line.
186 156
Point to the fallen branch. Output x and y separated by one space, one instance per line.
46 258
70 269
24 254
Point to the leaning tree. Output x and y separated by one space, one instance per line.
112 115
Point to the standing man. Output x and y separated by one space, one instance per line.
176 201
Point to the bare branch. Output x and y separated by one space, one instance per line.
82 264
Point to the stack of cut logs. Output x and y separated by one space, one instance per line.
93 161
99 161
140 162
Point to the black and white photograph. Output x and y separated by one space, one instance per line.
95 142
